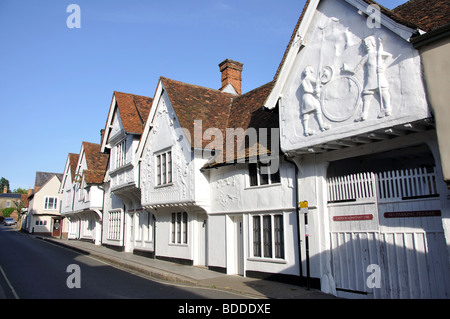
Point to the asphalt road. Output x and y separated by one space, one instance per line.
34 269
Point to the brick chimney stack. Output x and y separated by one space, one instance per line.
231 76
5 190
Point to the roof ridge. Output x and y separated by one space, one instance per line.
255 89
197 86
120 92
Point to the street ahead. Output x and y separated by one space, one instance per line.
33 268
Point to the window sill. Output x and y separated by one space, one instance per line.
263 186
163 185
268 260
179 245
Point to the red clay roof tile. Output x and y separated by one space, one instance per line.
96 163
134 111
427 14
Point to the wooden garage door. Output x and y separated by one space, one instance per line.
388 225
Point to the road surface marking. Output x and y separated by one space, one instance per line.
9 284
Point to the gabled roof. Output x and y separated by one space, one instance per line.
247 112
305 18
427 14
415 14
73 160
192 102
70 169
134 110
220 110
44 177
96 163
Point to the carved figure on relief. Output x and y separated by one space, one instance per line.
375 79
340 94
311 101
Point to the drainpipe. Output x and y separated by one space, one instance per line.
297 211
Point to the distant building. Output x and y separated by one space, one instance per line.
82 192
43 215
7 200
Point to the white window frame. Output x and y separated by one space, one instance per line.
47 202
144 227
115 218
259 176
121 153
179 225
164 168
274 254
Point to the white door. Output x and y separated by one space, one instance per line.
129 232
202 244
239 247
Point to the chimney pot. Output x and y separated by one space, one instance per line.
231 76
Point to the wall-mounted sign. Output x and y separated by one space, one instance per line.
304 207
347 218
422 213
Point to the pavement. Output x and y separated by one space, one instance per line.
190 275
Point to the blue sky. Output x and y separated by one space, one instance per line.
56 83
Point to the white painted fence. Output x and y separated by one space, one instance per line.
406 184
351 187
391 185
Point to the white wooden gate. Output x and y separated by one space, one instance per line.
388 225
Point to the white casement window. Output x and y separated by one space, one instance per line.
257 178
179 228
121 151
51 203
114 225
164 168
87 227
268 236
144 232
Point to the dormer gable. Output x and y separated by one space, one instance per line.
128 114
346 76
